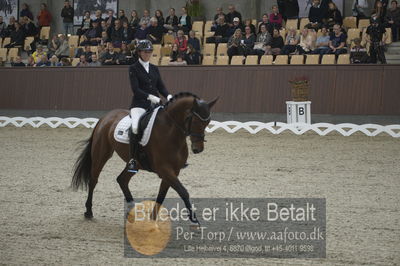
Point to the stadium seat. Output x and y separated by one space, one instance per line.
363 23
222 49
352 34
252 60
165 61
1 42
283 33
75 62
222 60
312 59
155 60
237 60
343 59
208 61
45 33
166 50
328 59
94 49
209 49
303 22
207 26
27 43
297 60
350 22
156 50
254 22
281 60
168 39
266 60
12 53
6 41
73 41
292 23
388 36
197 26
3 54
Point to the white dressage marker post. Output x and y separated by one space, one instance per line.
298 112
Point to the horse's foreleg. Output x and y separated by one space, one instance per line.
164 186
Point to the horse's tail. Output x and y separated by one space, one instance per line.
83 166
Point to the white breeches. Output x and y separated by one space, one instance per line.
136 113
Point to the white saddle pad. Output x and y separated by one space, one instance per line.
121 131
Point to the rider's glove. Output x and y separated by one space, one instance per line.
153 99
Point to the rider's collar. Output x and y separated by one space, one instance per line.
144 64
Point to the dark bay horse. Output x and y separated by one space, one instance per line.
167 151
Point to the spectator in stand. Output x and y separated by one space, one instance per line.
316 14
17 36
159 16
101 51
11 26
110 56
31 61
110 20
232 14
275 18
98 16
174 53
185 21
25 11
44 62
237 24
127 32
134 21
117 35
29 27
248 23
193 41
171 23
358 53
155 31
265 21
221 34
192 56
54 61
216 16
141 33
276 44
44 17
289 9
3 28
337 41
122 17
181 41
393 19
146 18
94 62
307 41
87 52
384 4
263 39
333 16
67 13
93 35
234 44
291 42
322 43
104 39
86 24
248 41
105 27
52 46
18 62
125 57
359 7
82 62
376 37
179 62
63 48
65 62
37 55
379 11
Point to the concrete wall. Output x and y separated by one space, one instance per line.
248 8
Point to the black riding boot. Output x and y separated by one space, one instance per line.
133 148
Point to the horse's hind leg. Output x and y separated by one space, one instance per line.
123 181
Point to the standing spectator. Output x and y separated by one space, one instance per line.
134 21
44 62
141 33
63 48
17 36
85 25
127 32
82 62
98 16
333 16
379 11
289 9
376 37
384 4
337 41
93 35
276 44
117 35
146 17
322 43
316 14
18 62
185 21
248 23
248 41
171 23
221 34
94 62
275 18
192 56
263 39
291 42
234 44
67 13
44 17
155 31
232 14
359 7
159 16
3 28
393 19
54 61
194 41
25 11
110 56
122 16
181 41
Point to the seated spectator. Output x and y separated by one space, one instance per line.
29 27
185 21
194 41
159 16
86 52
307 41
98 17
276 44
291 42
93 35
234 44
122 16
134 21
358 54
333 16
52 46
11 26
393 19
104 39
146 18
83 62
141 33
37 55
31 61
155 31
171 23
110 56
174 53
110 19
263 39
337 41
248 41
179 62
221 34
265 22
216 16
322 43
18 62
63 47
101 51
248 23
181 41
17 37
117 35
127 32
94 62
275 18
316 14
192 56
54 61
125 57
232 14
237 24
85 25
104 26
44 62
3 28
65 62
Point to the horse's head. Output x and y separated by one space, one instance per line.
198 119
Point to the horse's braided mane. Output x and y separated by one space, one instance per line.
180 95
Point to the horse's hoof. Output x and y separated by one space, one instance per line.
88 215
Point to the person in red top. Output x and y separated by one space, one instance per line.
181 41
275 18
44 17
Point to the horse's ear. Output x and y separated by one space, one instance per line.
211 104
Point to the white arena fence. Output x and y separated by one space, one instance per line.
252 127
